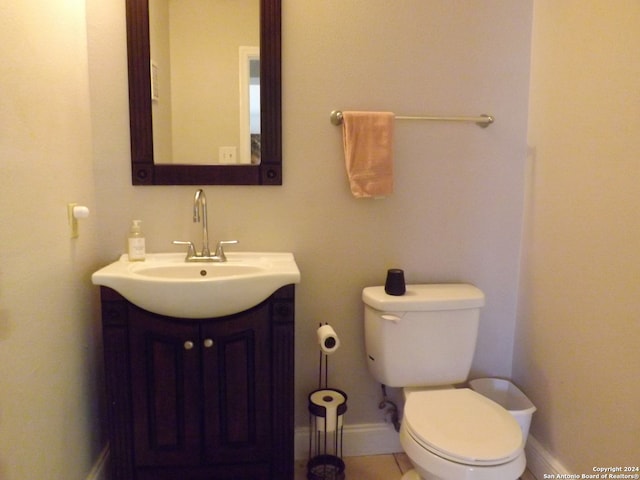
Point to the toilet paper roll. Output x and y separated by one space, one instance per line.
328 339
328 406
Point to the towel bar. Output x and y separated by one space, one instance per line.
482 121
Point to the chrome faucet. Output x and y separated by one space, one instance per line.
200 215
200 203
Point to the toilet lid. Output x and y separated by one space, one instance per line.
463 426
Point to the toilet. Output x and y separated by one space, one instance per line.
424 342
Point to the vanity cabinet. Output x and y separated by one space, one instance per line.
200 399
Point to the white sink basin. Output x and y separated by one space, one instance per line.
167 285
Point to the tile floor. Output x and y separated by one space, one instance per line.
375 467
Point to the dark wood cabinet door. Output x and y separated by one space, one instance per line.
200 400
236 381
165 387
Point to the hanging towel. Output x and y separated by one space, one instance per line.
368 152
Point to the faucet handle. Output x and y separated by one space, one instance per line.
191 252
220 248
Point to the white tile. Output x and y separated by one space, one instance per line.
403 462
375 467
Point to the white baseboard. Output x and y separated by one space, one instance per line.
99 470
541 462
360 439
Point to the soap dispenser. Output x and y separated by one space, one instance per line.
136 242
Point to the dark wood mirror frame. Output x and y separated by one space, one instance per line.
143 169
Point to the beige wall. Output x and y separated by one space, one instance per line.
160 51
457 211
576 351
205 94
195 46
456 215
49 342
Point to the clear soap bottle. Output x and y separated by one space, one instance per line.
137 249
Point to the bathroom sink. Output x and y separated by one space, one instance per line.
194 271
167 285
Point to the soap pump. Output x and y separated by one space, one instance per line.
136 242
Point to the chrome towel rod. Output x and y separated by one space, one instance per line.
482 121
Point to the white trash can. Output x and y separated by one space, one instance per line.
506 394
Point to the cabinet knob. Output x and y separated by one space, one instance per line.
188 345
208 343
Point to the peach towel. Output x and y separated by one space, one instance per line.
368 152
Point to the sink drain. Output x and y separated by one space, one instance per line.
203 273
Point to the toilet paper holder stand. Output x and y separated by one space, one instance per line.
326 409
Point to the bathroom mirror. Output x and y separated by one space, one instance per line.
145 170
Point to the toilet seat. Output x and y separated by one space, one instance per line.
462 426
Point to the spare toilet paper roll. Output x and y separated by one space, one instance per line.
328 339
329 402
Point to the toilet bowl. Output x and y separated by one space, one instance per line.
424 341
457 434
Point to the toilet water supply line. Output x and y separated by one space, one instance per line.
392 411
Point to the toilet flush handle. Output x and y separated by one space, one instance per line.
391 317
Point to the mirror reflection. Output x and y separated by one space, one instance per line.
145 170
205 81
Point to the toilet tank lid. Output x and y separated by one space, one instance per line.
425 297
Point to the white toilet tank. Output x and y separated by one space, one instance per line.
426 337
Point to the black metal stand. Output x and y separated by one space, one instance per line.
326 408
